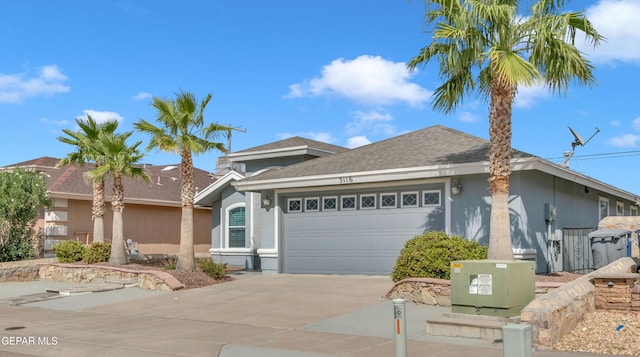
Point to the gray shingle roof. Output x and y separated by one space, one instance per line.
295 141
435 145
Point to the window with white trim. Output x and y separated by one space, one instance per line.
329 203
619 208
368 201
431 198
409 199
603 207
294 205
348 202
633 210
236 237
312 204
388 200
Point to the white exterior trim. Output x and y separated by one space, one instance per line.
428 172
225 234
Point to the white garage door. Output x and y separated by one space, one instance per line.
351 242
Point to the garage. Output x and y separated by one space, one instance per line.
364 242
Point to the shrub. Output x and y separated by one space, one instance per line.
211 268
169 263
97 253
69 251
22 194
430 255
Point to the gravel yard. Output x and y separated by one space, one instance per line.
607 332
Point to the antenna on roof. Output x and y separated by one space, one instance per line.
229 129
577 142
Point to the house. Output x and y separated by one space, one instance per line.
351 211
152 211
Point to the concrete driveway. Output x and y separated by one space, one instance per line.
256 315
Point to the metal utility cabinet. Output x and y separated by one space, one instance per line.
492 287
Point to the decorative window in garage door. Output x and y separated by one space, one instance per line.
368 201
431 198
294 205
330 203
409 199
312 204
348 202
388 200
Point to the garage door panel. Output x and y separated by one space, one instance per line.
350 242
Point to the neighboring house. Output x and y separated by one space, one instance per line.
152 210
351 212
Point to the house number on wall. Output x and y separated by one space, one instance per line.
346 179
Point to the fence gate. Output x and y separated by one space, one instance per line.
576 249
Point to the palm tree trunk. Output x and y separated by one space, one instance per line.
502 94
118 255
98 212
186 256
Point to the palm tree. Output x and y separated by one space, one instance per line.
182 131
82 140
484 47
119 160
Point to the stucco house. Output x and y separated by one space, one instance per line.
152 211
298 206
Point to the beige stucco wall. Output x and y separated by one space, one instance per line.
155 228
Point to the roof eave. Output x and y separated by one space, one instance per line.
276 153
520 164
213 192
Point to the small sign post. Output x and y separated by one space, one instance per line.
399 327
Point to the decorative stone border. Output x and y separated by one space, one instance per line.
79 273
555 314
24 270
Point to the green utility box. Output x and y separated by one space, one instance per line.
492 287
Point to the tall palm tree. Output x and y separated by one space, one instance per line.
182 131
82 140
484 47
119 160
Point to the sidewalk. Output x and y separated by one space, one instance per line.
257 315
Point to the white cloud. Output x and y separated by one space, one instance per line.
636 123
54 122
367 80
617 20
142 95
469 117
14 88
356 141
375 120
101 117
526 96
627 140
615 123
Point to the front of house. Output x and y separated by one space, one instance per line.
309 207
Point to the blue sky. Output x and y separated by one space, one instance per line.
329 70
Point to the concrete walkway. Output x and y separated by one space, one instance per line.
257 315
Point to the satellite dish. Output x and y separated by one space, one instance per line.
579 141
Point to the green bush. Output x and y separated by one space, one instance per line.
169 263
22 194
211 268
430 255
97 253
69 251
